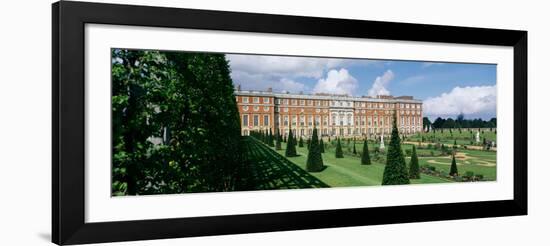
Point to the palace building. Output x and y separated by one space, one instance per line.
333 115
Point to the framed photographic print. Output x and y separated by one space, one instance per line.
175 122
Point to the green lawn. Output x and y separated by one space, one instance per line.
272 170
477 161
462 137
348 171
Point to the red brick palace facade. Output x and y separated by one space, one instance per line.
333 115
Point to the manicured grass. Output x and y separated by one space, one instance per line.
478 161
463 137
348 171
272 170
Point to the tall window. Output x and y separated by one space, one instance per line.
245 120
256 99
286 121
266 120
256 120
245 99
266 99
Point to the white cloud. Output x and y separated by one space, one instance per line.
337 82
470 100
259 72
289 85
380 84
283 66
262 82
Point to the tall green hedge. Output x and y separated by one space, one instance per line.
175 123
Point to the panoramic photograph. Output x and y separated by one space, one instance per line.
193 122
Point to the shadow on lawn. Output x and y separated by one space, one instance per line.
272 171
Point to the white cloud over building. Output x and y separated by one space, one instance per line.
337 82
470 100
380 84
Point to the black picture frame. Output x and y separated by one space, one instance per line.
68 107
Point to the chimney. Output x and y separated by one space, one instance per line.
269 89
239 87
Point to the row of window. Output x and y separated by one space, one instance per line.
255 120
336 121
255 100
256 108
348 131
303 102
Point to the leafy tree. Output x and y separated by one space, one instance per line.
454 169
175 123
426 123
314 161
365 158
338 152
414 169
395 171
290 146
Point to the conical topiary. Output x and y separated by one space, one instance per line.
278 141
395 171
270 139
338 152
322 146
365 158
314 161
454 169
290 146
414 169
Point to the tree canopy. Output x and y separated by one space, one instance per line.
175 124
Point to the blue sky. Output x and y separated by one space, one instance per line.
447 89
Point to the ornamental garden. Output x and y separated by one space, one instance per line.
176 128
